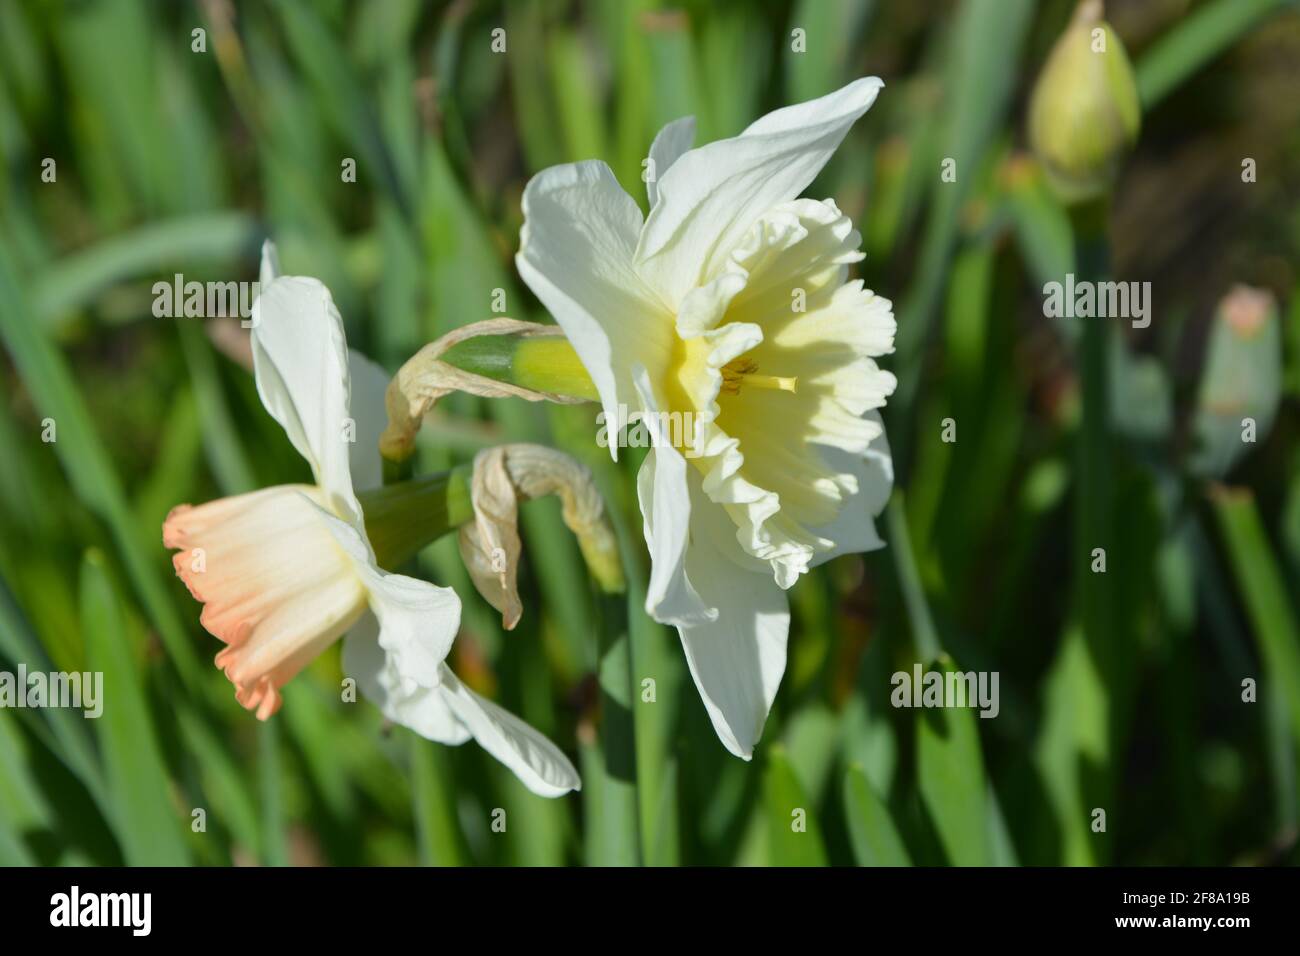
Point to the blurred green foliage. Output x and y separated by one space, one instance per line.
170 160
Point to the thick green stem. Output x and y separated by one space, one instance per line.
1095 514
403 518
1094 501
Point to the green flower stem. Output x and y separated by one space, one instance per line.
1095 514
925 636
1094 497
403 518
541 363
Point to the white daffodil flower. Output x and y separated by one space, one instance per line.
725 321
285 571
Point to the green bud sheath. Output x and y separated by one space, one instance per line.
540 363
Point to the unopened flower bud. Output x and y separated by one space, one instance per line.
1241 384
1084 113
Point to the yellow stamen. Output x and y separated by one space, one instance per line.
771 381
744 371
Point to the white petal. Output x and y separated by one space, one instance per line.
712 195
451 713
369 383
580 230
538 763
418 621
423 709
670 145
737 660
269 269
666 516
662 489
300 362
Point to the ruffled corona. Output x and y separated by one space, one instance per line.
776 364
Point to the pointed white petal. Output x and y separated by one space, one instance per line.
300 362
666 517
538 763
738 659
451 713
711 196
270 266
580 230
661 487
670 145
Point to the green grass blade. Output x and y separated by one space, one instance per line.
831 30
987 36
229 801
275 847
1197 39
618 840
1074 738
145 819
22 805
874 837
950 774
87 465
925 635
75 280
1264 593
439 838
793 834
64 734
225 451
